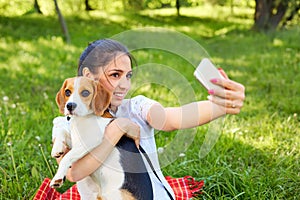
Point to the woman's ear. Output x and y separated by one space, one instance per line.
60 97
86 72
101 99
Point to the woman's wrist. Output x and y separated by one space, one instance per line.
113 132
122 126
90 162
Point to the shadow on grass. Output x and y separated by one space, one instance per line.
33 26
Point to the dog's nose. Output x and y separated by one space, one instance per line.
71 106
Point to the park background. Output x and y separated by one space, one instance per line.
257 153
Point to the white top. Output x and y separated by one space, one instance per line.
136 109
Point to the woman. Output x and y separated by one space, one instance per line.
110 62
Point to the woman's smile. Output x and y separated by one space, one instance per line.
119 95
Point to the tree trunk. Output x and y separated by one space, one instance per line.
261 15
231 7
62 23
268 14
292 14
87 6
278 16
37 7
178 7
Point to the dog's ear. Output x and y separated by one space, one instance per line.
60 97
101 99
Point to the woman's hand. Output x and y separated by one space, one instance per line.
123 126
231 98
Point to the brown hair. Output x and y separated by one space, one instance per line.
100 53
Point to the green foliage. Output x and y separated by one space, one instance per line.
257 154
133 4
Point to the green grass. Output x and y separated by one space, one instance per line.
257 154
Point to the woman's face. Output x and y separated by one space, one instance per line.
116 77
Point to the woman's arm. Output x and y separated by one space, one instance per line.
186 116
224 101
90 162
113 133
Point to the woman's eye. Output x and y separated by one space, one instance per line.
85 93
68 92
129 75
116 75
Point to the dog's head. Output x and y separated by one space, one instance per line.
82 96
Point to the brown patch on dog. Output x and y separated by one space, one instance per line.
61 97
126 195
101 100
106 114
86 84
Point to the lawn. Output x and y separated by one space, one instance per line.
253 155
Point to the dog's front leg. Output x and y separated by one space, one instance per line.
60 143
60 136
65 163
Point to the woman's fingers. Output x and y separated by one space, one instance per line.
128 128
231 97
228 94
133 132
222 72
230 106
229 84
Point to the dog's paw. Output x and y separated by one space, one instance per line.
58 149
56 183
57 154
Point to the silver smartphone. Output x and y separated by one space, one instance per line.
207 71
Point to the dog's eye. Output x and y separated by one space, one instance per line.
68 92
85 93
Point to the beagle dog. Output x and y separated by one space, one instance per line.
123 174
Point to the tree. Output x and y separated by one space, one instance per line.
62 23
87 6
37 7
132 4
178 7
270 14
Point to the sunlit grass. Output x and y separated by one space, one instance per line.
239 18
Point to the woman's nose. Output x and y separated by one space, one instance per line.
124 82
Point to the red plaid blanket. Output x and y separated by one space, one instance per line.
184 188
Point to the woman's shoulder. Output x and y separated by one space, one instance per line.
141 100
137 105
